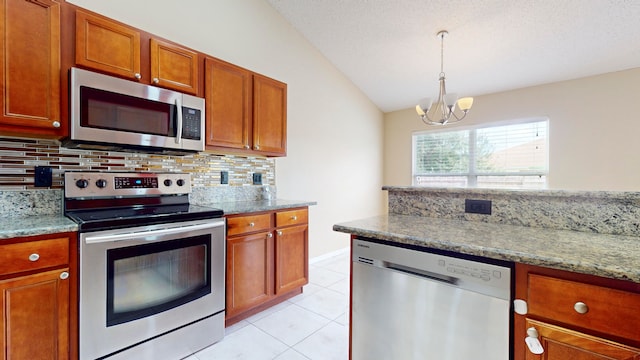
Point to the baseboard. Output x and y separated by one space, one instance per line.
328 255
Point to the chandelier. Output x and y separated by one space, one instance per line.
444 110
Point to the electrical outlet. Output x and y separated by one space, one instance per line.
224 177
257 179
42 176
477 206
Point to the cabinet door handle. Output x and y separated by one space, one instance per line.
34 257
257 147
64 275
137 76
156 80
269 235
246 147
279 233
581 308
56 124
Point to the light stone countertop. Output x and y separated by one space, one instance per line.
611 256
11 227
243 207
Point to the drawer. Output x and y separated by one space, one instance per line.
292 217
33 255
248 224
609 311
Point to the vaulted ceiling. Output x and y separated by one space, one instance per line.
389 48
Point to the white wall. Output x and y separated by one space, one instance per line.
334 152
594 130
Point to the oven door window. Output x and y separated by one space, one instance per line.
148 279
107 110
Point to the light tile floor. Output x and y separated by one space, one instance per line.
313 325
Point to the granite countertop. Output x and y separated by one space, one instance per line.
242 207
11 227
611 256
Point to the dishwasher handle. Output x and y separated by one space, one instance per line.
421 273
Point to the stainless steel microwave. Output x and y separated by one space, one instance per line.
109 113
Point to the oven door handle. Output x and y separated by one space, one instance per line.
134 235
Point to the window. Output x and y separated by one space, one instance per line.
511 156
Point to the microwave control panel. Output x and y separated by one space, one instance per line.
191 123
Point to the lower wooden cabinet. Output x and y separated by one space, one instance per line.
576 316
35 292
267 260
563 344
35 311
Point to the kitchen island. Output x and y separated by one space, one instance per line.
575 255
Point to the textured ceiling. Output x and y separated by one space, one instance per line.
389 48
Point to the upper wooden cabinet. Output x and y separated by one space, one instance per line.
174 67
246 112
30 71
108 46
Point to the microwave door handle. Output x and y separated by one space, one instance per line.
179 124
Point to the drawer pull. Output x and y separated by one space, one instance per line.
252 224
294 218
34 257
581 308
64 275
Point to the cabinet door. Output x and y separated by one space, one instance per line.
174 67
292 258
35 315
249 271
228 99
30 69
563 344
107 46
269 116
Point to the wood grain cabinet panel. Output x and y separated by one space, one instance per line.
249 271
246 112
609 311
30 68
269 116
37 308
266 263
107 46
564 344
228 98
35 313
576 316
174 67
292 258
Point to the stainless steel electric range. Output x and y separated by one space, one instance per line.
152 265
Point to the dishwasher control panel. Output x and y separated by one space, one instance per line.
474 275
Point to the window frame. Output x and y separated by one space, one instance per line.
472 175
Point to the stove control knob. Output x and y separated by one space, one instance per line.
180 182
168 182
82 183
101 183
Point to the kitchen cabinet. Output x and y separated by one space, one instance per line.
30 71
246 112
577 316
35 305
108 46
267 260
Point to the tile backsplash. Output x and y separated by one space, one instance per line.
18 157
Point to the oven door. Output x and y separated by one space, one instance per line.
142 282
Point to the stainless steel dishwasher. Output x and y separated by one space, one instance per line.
409 304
